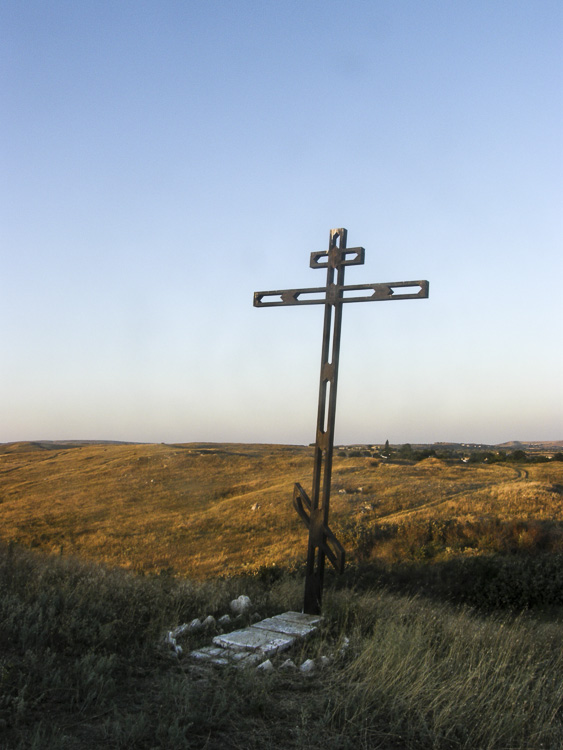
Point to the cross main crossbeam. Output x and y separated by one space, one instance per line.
335 294
314 511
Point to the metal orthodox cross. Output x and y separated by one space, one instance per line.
314 510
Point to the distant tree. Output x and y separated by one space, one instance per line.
517 456
405 451
444 454
558 457
426 453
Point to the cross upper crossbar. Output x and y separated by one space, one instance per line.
314 510
334 294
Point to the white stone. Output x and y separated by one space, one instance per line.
224 620
221 661
266 666
180 630
308 666
209 623
206 653
288 664
325 661
241 605
171 641
195 625
245 658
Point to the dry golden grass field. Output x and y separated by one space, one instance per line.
444 633
204 510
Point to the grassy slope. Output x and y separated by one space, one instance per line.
190 508
153 507
79 662
80 667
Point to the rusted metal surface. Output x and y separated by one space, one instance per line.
379 292
314 511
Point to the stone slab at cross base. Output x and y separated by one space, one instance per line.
288 626
302 618
268 642
259 641
224 656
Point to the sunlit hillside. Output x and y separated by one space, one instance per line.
207 509
443 634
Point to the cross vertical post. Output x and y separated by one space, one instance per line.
326 418
314 511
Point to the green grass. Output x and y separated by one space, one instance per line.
81 666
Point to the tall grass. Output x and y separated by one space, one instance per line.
442 678
82 663
81 667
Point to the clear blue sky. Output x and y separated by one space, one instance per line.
161 161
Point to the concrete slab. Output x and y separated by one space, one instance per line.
206 653
259 641
221 661
302 618
246 658
267 642
225 656
288 626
